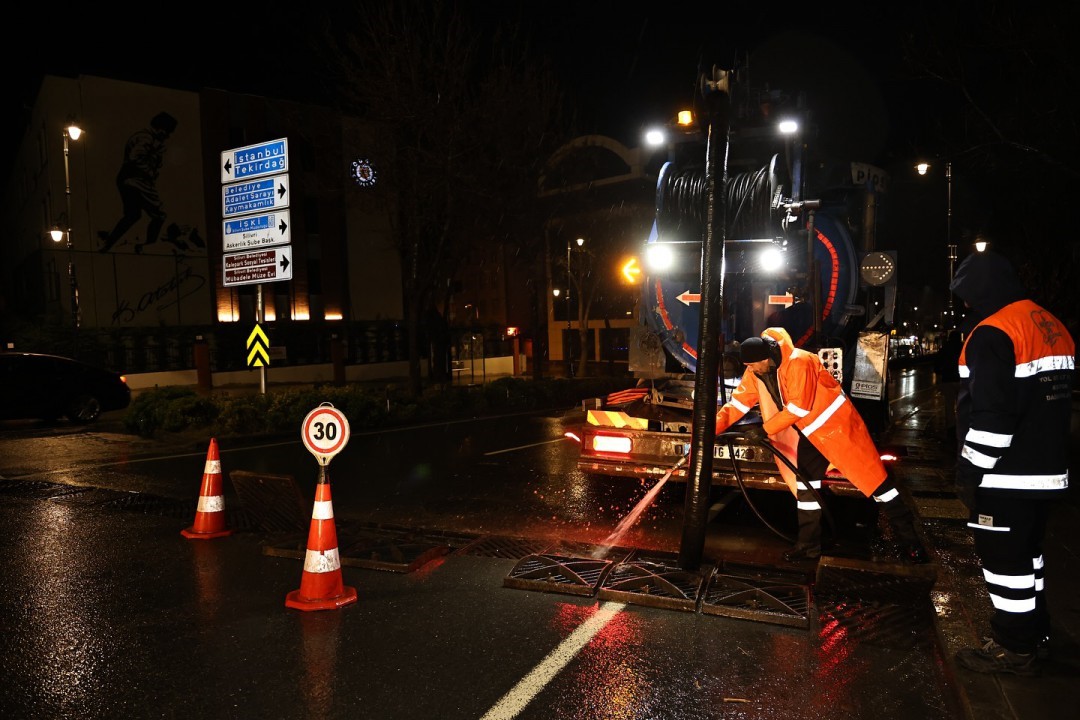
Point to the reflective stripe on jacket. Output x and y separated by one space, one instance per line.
816 404
1017 371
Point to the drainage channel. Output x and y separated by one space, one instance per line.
142 503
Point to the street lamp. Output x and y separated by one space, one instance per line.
922 169
569 328
71 132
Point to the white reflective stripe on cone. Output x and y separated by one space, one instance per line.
321 562
322 510
211 503
213 467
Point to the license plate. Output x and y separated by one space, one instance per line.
720 451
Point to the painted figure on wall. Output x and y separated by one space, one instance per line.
144 154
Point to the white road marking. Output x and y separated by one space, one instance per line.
522 447
513 702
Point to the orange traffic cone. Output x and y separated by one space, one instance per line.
321 586
210 515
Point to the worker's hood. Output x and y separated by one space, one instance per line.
782 339
987 282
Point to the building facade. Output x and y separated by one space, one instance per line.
141 192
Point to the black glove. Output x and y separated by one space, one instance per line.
754 433
968 478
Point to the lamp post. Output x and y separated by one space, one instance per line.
949 242
71 132
922 169
569 328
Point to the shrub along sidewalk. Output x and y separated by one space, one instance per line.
177 409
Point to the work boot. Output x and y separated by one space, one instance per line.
902 521
808 542
994 658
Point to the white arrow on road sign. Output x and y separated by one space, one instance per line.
242 198
256 231
252 161
248 268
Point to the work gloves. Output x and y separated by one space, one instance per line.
968 478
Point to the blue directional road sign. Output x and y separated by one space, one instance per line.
243 198
246 163
256 231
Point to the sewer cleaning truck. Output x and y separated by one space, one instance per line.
824 292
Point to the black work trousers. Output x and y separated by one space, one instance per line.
1009 542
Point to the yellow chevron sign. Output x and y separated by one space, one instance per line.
614 418
258 347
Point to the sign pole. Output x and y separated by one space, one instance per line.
261 317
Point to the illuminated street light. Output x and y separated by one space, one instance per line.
923 168
72 132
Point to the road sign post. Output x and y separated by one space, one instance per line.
325 432
254 195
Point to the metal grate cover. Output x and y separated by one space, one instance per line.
375 548
652 580
558 573
759 597
274 500
863 580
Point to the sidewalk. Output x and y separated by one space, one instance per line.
962 606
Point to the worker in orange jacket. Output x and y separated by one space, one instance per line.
808 418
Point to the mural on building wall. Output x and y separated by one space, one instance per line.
144 155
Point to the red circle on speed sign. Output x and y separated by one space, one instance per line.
325 432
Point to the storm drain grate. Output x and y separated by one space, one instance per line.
898 627
88 496
35 489
145 504
879 603
274 500
156 505
558 573
760 597
396 550
866 580
655 581
504 547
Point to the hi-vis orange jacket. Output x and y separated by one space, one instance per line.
815 404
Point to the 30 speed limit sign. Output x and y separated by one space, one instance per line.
325 432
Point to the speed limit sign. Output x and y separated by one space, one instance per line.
325 432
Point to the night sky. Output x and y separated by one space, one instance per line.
623 65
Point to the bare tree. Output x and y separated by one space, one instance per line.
470 119
997 76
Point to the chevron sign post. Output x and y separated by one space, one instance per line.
258 348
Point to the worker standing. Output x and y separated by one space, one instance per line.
807 416
1017 373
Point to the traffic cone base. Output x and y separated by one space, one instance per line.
210 514
321 586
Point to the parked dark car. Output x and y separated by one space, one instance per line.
50 386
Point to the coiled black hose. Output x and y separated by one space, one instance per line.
681 201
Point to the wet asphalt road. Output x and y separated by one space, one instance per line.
109 612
